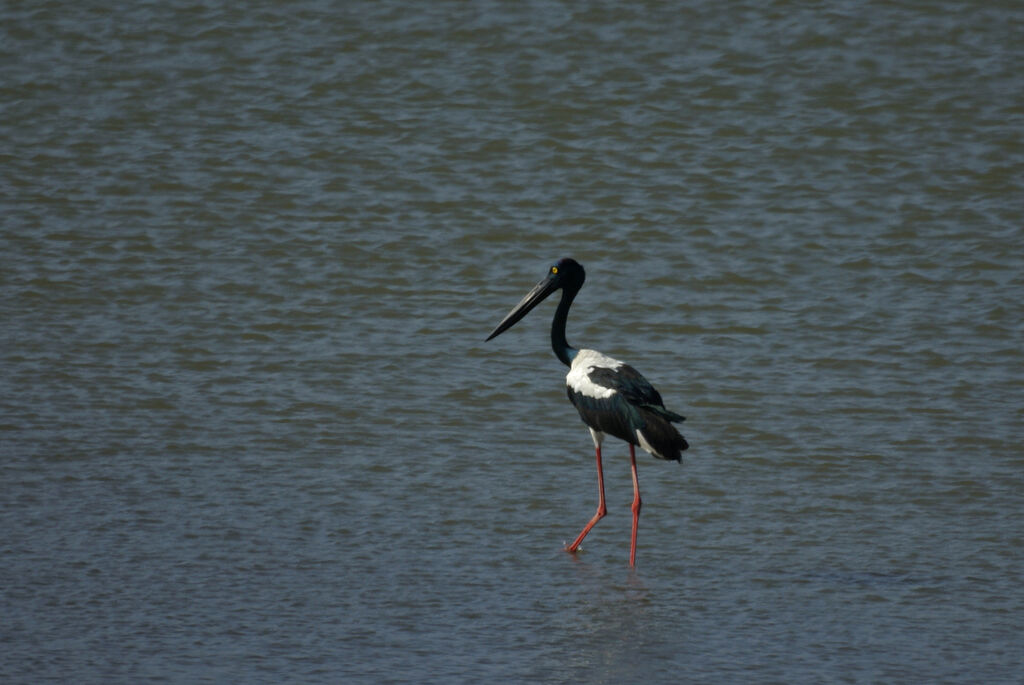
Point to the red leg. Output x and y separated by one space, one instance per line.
601 510
636 507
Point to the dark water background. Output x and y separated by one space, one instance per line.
249 431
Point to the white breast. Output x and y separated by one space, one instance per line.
578 376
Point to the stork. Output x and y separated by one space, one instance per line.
610 396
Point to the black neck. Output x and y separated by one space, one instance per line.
563 350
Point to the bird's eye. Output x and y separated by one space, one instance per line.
554 269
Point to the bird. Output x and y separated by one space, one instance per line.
611 397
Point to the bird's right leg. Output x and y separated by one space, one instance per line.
601 509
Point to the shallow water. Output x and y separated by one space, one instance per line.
249 429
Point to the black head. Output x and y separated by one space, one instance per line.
565 274
569 272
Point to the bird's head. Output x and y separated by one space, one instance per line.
565 274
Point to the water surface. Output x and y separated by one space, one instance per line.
249 429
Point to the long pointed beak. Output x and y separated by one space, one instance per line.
532 299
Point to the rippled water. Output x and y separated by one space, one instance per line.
249 429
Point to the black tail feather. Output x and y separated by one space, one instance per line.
662 436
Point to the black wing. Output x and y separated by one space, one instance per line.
634 388
634 407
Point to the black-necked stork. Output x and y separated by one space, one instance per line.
610 396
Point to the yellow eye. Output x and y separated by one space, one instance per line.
554 269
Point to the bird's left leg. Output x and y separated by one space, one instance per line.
635 507
601 509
